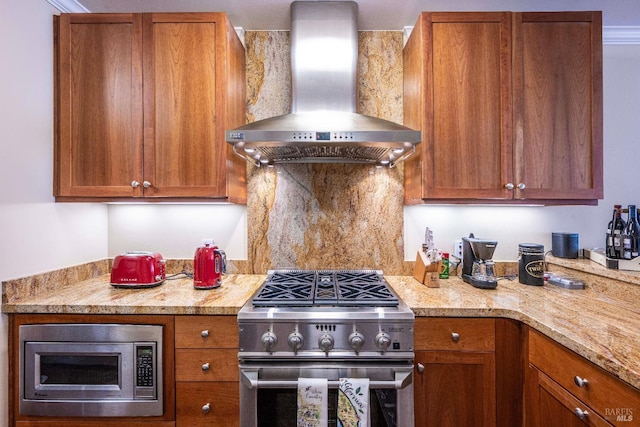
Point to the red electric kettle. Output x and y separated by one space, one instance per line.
209 264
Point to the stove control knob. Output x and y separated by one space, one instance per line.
295 341
356 341
383 341
269 340
325 342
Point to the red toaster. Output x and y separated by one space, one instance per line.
138 270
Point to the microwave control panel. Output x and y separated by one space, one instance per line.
145 372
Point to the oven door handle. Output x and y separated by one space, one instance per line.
250 379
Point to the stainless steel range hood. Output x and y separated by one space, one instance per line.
323 126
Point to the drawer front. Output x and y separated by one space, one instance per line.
464 334
207 404
206 365
206 332
607 395
551 394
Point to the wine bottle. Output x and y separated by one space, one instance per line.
609 249
631 235
617 226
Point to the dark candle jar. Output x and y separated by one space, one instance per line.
531 264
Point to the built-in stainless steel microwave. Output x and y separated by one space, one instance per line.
90 370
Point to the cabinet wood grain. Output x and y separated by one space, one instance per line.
602 392
142 104
509 105
557 86
99 93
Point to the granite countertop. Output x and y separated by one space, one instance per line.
601 322
177 296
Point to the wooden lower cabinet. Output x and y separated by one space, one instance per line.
207 388
207 404
551 405
455 376
565 389
455 389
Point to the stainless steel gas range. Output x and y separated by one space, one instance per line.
325 324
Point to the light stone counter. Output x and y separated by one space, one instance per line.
601 322
97 296
604 329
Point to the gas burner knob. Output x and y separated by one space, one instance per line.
325 342
295 341
356 341
383 341
269 340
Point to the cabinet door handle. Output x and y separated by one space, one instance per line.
146 184
205 366
582 414
580 382
135 184
509 186
455 336
205 333
420 367
206 408
521 186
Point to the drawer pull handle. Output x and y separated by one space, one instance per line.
205 366
205 333
420 367
206 408
455 336
583 415
580 382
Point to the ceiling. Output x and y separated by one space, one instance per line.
253 15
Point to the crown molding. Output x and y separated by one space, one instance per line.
620 35
68 6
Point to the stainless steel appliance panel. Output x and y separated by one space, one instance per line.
91 370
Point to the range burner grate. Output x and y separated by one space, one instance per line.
343 288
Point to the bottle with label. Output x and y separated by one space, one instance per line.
631 236
615 230
444 269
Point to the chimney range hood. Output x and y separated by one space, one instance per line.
323 126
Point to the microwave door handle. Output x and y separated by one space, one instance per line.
251 381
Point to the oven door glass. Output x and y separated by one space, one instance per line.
268 395
78 370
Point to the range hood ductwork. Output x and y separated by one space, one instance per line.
323 126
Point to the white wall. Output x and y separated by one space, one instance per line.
175 230
517 224
37 235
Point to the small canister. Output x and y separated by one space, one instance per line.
531 264
564 245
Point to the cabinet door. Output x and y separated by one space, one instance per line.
455 389
558 105
184 146
457 90
98 150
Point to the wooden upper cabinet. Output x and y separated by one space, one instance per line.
457 91
557 86
98 109
510 106
147 99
